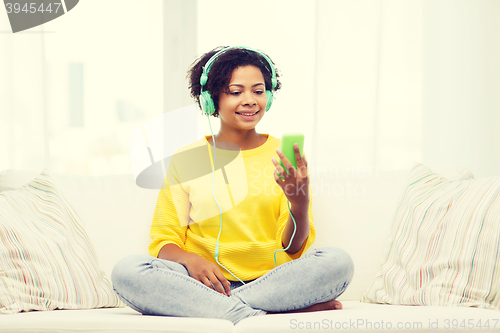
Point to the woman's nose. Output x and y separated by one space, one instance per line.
248 99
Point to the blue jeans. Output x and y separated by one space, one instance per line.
155 286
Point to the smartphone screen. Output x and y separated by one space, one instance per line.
287 142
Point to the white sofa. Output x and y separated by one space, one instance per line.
351 210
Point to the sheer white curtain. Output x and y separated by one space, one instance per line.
461 85
73 89
368 84
372 84
22 118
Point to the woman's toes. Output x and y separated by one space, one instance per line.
337 305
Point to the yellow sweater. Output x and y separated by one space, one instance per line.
254 208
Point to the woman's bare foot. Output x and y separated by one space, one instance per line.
331 305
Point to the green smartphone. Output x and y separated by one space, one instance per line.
287 142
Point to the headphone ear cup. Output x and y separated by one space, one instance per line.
270 97
206 102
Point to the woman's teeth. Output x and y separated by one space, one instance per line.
247 114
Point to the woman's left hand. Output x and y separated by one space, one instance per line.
296 184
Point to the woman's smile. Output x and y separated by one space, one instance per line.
248 115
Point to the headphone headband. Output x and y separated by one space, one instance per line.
208 65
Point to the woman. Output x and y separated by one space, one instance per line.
224 244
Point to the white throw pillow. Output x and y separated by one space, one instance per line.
46 259
444 245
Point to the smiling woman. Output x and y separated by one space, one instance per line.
221 265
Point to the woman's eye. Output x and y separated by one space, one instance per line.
236 93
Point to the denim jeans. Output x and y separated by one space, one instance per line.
155 286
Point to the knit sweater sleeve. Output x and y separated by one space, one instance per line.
171 216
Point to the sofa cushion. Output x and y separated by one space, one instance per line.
444 245
46 258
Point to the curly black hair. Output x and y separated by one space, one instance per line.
222 69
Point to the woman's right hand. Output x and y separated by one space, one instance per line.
198 268
207 273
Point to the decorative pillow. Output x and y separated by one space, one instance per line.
444 245
46 259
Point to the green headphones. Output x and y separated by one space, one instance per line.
206 102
